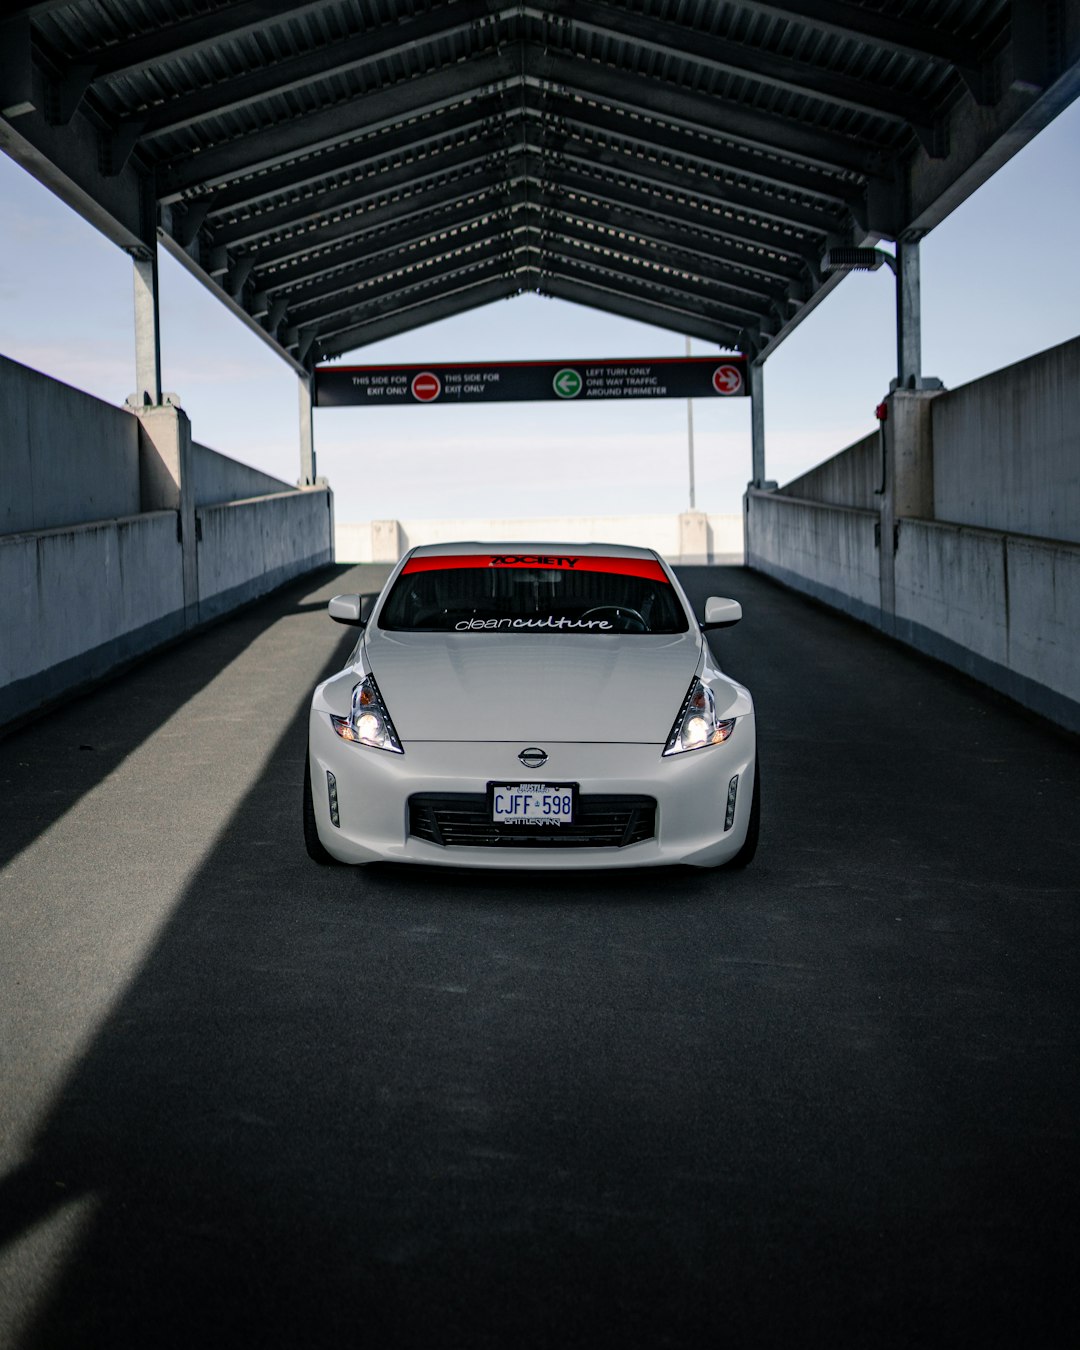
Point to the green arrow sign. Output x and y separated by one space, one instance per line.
567 383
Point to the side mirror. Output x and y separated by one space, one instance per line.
720 613
346 609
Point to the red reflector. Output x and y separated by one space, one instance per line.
881 412
556 562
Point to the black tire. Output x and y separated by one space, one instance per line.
745 855
312 842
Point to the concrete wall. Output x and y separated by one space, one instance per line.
247 548
971 554
221 479
387 540
78 601
1007 448
830 552
1001 607
850 478
91 573
65 457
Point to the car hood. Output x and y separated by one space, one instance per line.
532 688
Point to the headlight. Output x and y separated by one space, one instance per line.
368 723
697 723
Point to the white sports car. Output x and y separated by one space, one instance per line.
532 706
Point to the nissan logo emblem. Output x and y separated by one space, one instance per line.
533 757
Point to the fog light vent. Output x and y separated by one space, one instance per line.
732 790
331 788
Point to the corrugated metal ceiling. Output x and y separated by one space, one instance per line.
346 169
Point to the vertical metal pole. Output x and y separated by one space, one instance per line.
307 431
757 422
908 315
690 439
147 328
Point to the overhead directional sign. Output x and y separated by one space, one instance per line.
536 381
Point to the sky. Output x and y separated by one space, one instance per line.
1000 281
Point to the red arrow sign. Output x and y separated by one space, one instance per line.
727 379
426 386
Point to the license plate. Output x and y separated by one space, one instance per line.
532 803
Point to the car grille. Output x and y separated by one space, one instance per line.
450 818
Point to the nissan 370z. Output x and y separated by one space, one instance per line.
532 706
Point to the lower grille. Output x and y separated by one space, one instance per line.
449 818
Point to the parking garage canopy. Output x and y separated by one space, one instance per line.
339 171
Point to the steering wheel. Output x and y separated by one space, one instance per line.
629 619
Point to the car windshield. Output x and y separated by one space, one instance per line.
532 593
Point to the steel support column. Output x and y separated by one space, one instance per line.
908 316
757 422
147 328
305 387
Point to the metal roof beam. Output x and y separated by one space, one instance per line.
623 258
309 67
397 253
778 135
464 189
372 187
632 279
906 36
685 213
427 226
328 126
297 174
595 223
739 58
718 157
734 287
403 296
688 323
440 266
448 258
419 315
194 34
629 215
654 175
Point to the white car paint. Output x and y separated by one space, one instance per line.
466 704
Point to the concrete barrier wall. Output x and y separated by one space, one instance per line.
1007 448
1002 607
76 602
829 552
981 521
91 574
221 479
387 540
65 457
247 548
850 478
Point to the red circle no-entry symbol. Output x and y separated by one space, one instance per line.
426 386
727 379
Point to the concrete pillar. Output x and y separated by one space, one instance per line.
147 329
908 315
385 541
307 432
694 537
909 482
166 483
757 423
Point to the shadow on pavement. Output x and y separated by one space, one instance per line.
814 1103
47 765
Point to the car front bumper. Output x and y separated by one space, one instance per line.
373 789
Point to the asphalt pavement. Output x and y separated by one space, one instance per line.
831 1100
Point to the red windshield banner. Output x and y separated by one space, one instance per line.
561 562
